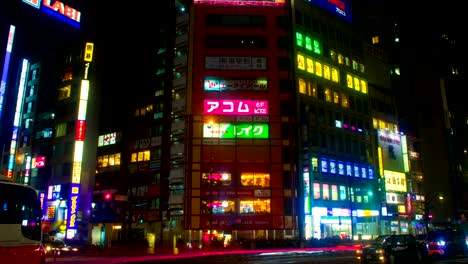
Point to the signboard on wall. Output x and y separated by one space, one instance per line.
392 153
395 181
236 107
229 130
218 85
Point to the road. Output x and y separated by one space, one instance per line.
238 257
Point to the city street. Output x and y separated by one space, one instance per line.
236 257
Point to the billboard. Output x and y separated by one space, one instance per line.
392 152
229 130
236 107
339 8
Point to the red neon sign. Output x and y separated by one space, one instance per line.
236 107
63 9
80 130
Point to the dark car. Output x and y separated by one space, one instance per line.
59 247
393 249
446 243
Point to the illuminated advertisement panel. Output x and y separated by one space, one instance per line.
6 65
213 84
57 9
236 107
340 8
395 181
80 130
228 130
72 212
392 153
38 162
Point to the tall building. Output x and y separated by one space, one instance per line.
48 93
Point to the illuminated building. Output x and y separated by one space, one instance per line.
50 87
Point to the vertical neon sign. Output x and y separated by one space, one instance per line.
80 134
6 64
17 119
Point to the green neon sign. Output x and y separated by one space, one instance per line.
228 130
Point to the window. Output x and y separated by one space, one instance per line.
334 192
326 191
224 206
255 179
140 156
343 195
317 190
61 130
258 206
216 179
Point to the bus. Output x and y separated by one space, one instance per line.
20 224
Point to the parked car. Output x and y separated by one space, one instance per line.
446 243
393 249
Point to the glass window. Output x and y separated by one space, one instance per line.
343 195
326 191
224 206
302 86
334 192
217 179
258 206
316 190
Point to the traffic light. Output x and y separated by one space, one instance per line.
107 196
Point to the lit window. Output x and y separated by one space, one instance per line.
224 207
300 62
316 190
344 100
334 190
375 39
340 59
259 206
336 97
326 72
310 65
328 95
343 195
318 69
326 191
302 86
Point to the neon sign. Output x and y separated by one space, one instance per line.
236 107
73 211
228 130
340 8
212 84
243 2
56 7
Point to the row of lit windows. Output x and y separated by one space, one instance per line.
356 83
317 68
308 43
314 45
108 160
310 88
248 179
332 192
340 59
381 124
146 155
342 168
248 206
140 156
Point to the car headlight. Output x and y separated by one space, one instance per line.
359 251
441 243
380 251
48 248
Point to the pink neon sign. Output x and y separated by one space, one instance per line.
236 107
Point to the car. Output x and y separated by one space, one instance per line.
59 247
404 248
446 243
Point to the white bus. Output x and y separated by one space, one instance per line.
20 224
